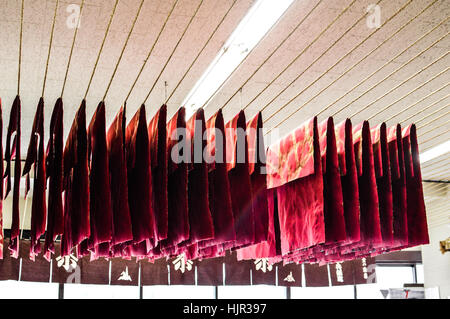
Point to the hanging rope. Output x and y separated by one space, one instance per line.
71 49
20 48
49 48
151 50
342 58
101 48
123 50
173 51
301 53
200 52
273 52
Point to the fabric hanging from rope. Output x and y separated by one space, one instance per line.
54 170
76 185
140 184
36 157
158 153
13 152
100 208
121 231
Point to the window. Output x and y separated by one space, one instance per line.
251 292
27 290
79 291
387 277
337 292
179 292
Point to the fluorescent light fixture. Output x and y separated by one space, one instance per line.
256 23
435 152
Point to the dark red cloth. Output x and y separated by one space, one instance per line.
1 181
54 170
384 188
295 171
178 219
368 196
239 178
76 185
332 188
140 179
9 267
158 152
349 180
397 160
34 267
218 185
100 196
121 231
13 152
36 156
316 275
417 219
200 220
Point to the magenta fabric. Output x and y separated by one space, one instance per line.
54 170
13 152
240 184
178 218
140 180
200 221
1 181
349 181
76 185
384 188
158 152
398 181
36 156
332 188
368 195
218 187
417 219
121 231
300 205
100 196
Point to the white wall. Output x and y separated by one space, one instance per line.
437 265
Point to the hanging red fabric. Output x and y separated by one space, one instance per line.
1 180
349 180
177 182
13 152
200 220
100 209
240 184
218 187
36 156
294 168
121 231
76 185
158 152
140 183
368 196
54 170
384 186
398 181
417 219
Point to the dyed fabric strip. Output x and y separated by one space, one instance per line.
140 182
158 152
54 170
76 185
100 196
417 220
36 157
12 151
121 231
240 184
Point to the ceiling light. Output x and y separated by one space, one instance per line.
263 15
435 152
